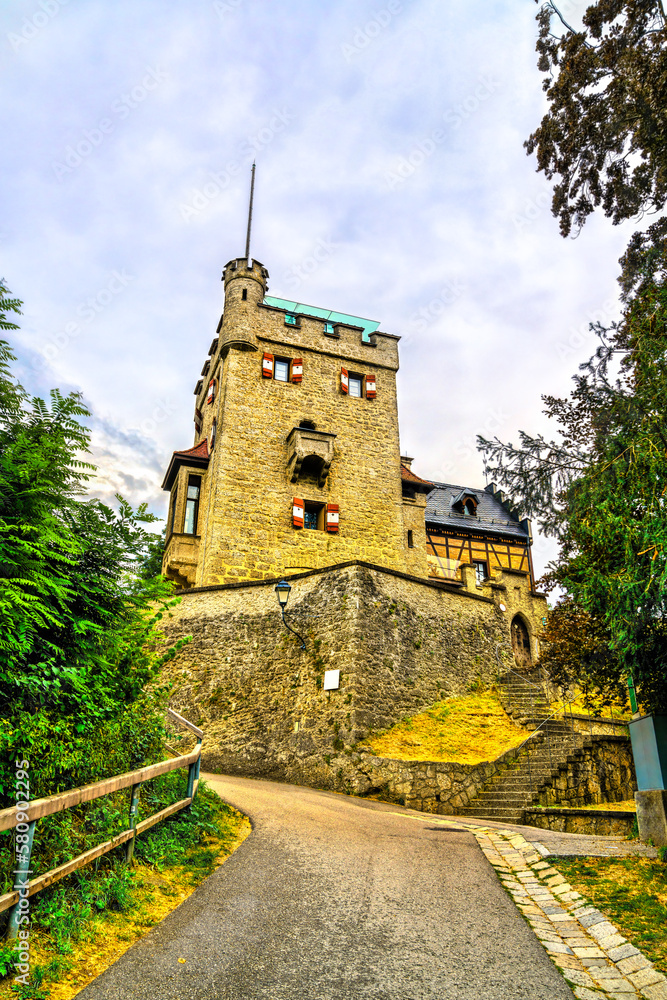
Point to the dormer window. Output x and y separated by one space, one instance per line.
465 503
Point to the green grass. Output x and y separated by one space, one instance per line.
67 915
631 892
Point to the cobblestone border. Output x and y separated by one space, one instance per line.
598 962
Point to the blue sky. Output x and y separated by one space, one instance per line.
388 138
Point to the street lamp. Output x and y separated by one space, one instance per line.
282 592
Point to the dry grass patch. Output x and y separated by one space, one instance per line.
620 712
627 806
466 730
631 892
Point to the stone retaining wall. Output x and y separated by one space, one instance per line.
441 787
601 772
596 822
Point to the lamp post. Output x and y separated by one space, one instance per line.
282 592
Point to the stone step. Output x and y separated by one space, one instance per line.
523 781
520 781
505 816
505 802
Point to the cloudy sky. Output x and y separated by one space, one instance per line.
389 138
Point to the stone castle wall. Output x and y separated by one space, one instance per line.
400 644
246 506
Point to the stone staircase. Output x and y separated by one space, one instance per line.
515 786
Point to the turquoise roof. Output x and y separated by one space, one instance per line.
369 325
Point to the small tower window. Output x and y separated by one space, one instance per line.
329 328
192 506
355 386
244 294
313 516
281 370
411 541
290 319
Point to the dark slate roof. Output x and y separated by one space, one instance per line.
491 516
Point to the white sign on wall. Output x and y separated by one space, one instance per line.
331 680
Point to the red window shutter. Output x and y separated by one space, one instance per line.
332 517
344 383
211 391
297 513
297 369
267 366
370 387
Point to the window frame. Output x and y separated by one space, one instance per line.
281 361
318 509
477 563
172 510
192 503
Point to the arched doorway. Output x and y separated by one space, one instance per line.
521 643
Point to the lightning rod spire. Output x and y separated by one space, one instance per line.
252 193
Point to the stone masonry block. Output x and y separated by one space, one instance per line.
633 964
656 992
623 951
584 994
646 977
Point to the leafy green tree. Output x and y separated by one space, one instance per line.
605 134
151 565
576 649
600 486
78 636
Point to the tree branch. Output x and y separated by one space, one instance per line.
554 8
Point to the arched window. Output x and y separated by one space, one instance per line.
521 642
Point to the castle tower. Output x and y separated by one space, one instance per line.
296 459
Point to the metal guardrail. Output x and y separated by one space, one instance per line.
52 804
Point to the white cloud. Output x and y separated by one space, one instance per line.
471 213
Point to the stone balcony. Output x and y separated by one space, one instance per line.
180 559
309 450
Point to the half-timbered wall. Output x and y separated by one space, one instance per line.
446 553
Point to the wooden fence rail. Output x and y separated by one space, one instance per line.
39 808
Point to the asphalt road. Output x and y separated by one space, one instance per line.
337 898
